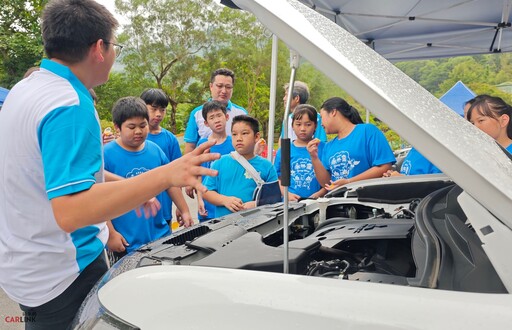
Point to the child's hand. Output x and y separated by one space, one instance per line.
184 219
249 205
260 147
234 204
149 208
107 135
336 184
116 242
389 173
200 208
312 148
190 191
293 197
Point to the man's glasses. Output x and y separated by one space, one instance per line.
227 87
117 48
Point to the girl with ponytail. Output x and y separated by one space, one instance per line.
359 152
492 115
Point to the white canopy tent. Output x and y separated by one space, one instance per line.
415 29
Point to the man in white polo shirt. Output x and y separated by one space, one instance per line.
53 202
221 88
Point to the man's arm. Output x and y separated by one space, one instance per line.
116 242
112 199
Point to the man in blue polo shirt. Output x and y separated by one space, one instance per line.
53 202
221 88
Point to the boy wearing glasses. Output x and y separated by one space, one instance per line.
221 89
53 202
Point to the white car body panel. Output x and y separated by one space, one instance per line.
215 298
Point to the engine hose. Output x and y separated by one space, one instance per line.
339 253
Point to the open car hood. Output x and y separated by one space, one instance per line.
471 158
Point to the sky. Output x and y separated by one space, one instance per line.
110 5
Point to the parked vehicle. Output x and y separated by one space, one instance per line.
423 252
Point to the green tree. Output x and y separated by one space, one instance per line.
163 39
20 38
116 87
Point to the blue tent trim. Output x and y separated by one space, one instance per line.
3 95
457 96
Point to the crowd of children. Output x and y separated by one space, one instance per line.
358 151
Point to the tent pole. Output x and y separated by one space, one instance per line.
272 104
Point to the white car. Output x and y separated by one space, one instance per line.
418 252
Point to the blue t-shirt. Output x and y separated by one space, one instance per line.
196 129
137 230
415 163
224 148
365 147
509 148
233 180
171 148
319 131
303 181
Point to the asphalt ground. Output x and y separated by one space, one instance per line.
10 313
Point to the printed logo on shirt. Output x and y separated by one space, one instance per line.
302 173
341 165
248 176
406 167
136 171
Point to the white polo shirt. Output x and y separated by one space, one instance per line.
50 146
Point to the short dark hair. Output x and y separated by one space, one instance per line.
305 110
129 107
70 27
251 121
222 72
212 106
155 97
300 89
340 105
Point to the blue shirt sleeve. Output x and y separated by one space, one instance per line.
175 151
191 134
380 151
69 139
277 163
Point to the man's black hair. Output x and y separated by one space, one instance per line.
70 27
222 72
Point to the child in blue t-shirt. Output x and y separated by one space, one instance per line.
215 117
156 102
128 156
232 189
359 152
414 164
303 183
